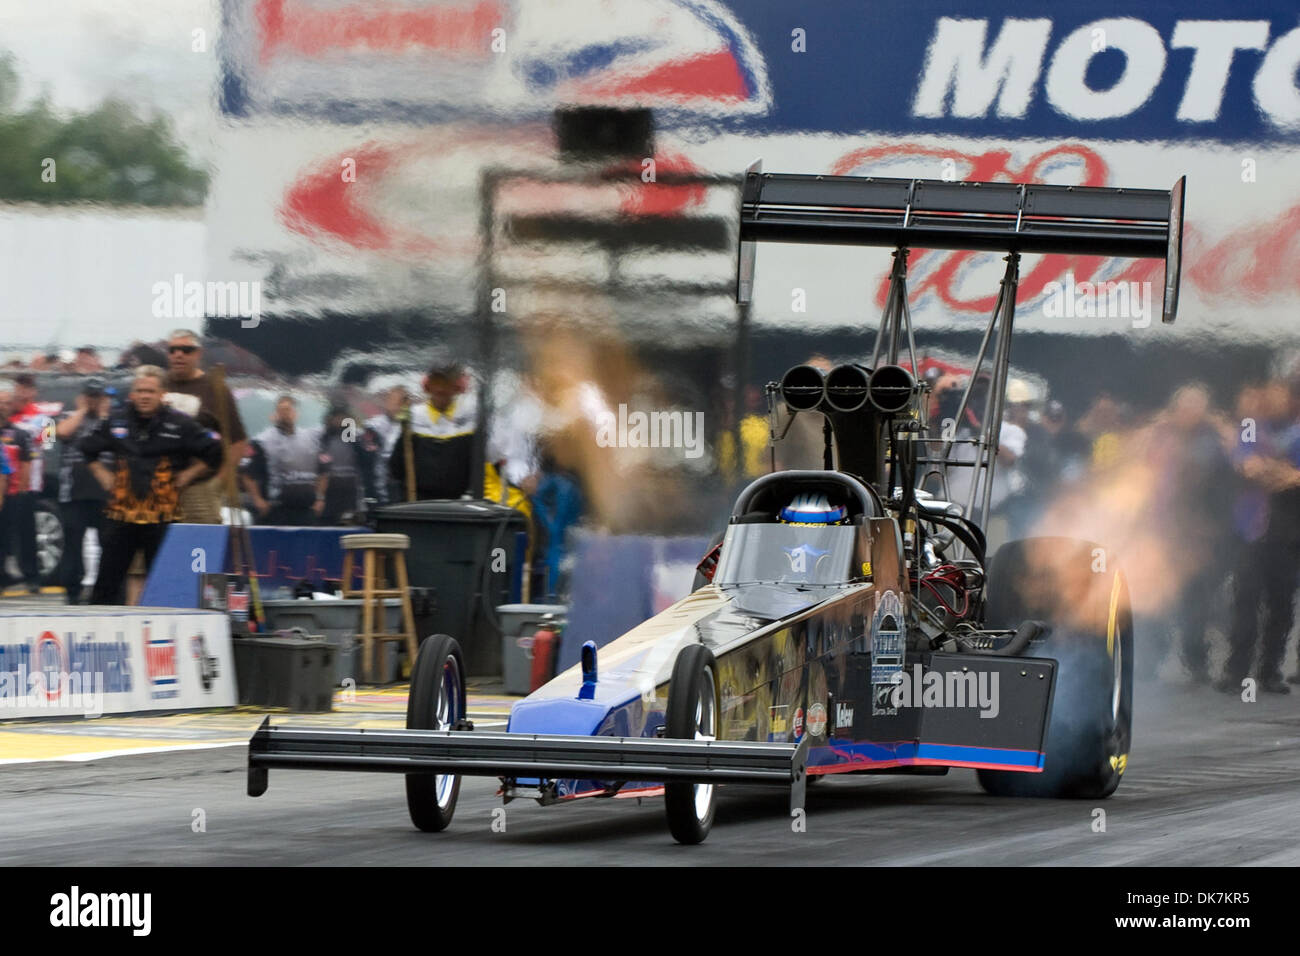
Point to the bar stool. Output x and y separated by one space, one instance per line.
375 548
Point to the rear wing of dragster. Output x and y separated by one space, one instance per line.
936 214
526 756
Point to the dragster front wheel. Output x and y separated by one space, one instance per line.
436 702
692 715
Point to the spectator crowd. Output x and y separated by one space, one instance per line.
1201 503
174 447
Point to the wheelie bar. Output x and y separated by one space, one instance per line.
512 756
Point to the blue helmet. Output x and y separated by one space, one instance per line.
813 509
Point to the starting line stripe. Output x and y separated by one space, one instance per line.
83 756
48 748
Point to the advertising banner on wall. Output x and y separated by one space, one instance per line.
358 137
1115 69
108 661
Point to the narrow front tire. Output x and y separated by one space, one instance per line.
436 702
692 715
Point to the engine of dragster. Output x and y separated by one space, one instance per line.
875 426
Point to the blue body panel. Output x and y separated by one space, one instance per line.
612 713
841 757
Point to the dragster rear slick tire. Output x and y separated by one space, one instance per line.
692 715
436 702
1066 583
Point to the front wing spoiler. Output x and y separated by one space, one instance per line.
511 756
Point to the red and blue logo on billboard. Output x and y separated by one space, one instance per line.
432 61
50 664
1113 69
161 666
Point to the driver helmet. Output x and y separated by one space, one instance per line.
813 509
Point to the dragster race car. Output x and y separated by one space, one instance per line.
849 620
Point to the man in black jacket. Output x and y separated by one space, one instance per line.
157 451
81 498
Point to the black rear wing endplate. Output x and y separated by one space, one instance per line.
936 214
513 756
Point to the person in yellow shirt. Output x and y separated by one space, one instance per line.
438 436
754 428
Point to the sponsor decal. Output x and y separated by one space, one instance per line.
844 715
211 596
236 602
112 659
777 720
116 664
944 290
118 431
817 720
15 659
50 663
980 68
515 58
798 723
887 649
66 672
160 665
207 665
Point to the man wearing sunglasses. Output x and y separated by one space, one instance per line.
201 502
156 453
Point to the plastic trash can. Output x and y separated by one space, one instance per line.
471 555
